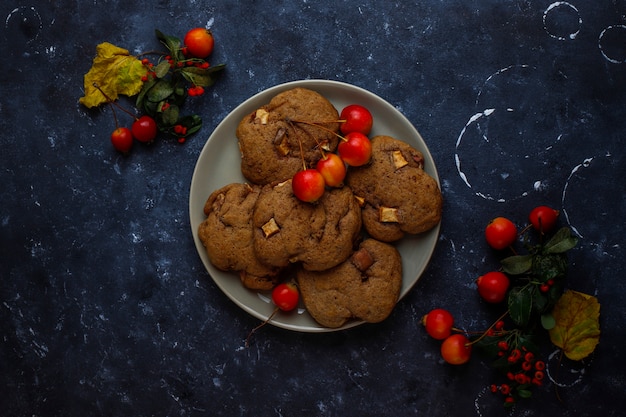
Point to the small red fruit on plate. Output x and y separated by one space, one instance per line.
308 185
493 286
144 129
199 42
438 323
500 233
543 218
357 119
456 349
286 296
356 149
122 139
332 168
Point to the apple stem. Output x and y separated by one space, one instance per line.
290 122
259 326
114 115
302 155
318 124
113 102
489 328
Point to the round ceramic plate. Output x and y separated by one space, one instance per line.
219 165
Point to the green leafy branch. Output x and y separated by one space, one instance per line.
163 94
536 301
540 275
160 90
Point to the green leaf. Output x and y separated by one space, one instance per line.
160 91
520 304
550 266
547 321
192 123
162 69
561 242
151 108
179 91
215 68
524 393
170 115
172 43
142 94
540 300
201 76
518 264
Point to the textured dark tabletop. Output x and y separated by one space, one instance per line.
105 306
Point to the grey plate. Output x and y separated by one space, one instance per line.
219 165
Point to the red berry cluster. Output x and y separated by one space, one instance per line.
195 90
150 67
181 131
354 149
165 79
188 61
545 287
530 284
524 369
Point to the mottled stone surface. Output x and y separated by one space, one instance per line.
105 306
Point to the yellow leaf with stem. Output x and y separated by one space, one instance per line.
115 72
577 327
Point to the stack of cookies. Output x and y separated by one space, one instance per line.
339 249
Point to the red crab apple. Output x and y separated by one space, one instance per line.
332 168
438 323
144 129
308 185
122 139
356 149
456 349
357 119
286 296
493 286
199 42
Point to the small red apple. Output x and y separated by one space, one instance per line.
122 139
144 129
332 168
357 119
308 185
356 149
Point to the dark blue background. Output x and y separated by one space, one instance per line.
105 306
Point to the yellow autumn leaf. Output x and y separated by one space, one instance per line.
115 71
577 328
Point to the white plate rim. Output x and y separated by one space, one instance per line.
286 321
